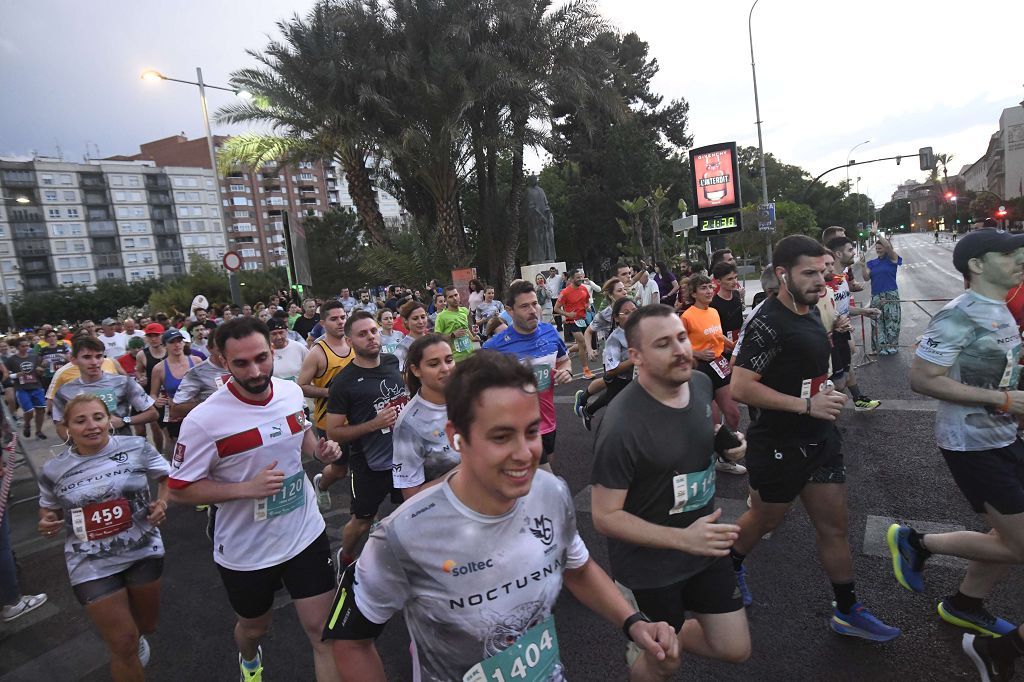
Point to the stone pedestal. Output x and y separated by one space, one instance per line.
529 272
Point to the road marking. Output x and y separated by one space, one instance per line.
958 277
47 610
875 543
74 659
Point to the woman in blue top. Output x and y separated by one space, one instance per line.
885 331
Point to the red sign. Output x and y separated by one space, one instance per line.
715 179
232 261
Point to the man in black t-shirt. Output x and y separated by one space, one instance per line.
363 405
728 301
794 448
305 322
654 492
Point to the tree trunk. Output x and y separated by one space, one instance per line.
448 228
364 196
515 199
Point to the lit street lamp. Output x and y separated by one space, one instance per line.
153 76
760 140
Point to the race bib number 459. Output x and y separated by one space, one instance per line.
101 520
534 656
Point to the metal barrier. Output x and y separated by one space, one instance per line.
866 357
14 455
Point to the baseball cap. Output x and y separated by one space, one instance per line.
108 320
172 335
153 328
276 323
979 242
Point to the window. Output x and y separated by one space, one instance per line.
193 196
59 230
76 228
72 212
251 265
83 278
241 214
65 178
306 176
193 182
64 263
50 195
128 243
199 225
78 246
135 196
211 197
69 195
248 253
150 272
12 283
53 213
237 188
122 211
120 196
60 247
143 241
182 211
46 179
238 201
305 164
138 212
134 181
67 278
135 274
178 182
131 258
117 180
209 182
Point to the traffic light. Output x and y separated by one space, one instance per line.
1001 212
927 158
949 196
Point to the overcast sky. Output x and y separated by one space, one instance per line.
903 74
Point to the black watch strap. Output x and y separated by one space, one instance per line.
638 616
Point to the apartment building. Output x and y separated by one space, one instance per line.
1001 170
65 223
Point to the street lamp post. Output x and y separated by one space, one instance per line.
760 139
153 76
852 149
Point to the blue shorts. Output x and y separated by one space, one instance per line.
30 398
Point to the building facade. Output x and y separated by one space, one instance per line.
1001 170
67 223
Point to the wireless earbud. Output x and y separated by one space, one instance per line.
457 442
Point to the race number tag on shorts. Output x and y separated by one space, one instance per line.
811 387
693 491
102 519
463 344
542 373
290 497
721 367
534 656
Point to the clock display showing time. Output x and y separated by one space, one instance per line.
721 224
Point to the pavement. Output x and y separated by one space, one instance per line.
894 472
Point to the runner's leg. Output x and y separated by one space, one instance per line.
249 632
313 612
112 616
826 506
145 604
760 519
720 636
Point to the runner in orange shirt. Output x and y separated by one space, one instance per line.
572 305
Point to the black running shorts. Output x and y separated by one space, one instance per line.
717 382
713 590
992 476
370 488
842 354
142 572
779 473
307 574
547 446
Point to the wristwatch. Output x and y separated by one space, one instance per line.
638 616
126 420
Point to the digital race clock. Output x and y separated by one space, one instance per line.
716 188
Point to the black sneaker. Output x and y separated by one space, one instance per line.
991 670
586 417
27 431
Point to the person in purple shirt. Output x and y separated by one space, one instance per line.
885 332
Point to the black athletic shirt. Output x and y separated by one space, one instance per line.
791 353
731 314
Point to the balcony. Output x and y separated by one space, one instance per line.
93 181
39 282
96 213
103 228
168 256
19 178
25 215
162 214
109 273
275 213
157 182
171 269
28 231
159 198
32 247
168 242
95 198
107 260
164 227
307 190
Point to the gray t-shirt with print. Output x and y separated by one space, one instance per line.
421 451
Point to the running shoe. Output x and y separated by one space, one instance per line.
41 436
587 374
252 675
27 431
144 651
727 467
579 403
587 418
866 404
323 497
861 623
741 582
981 621
977 649
907 562
28 602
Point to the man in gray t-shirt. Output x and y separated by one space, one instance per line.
968 359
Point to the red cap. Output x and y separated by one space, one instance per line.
154 328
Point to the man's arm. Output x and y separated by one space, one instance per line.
747 388
146 416
180 410
311 367
140 368
206 491
930 379
338 429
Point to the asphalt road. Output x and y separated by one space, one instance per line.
894 471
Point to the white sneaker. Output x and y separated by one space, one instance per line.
323 497
144 651
28 602
727 467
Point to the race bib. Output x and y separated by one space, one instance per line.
811 387
290 497
101 520
398 403
1008 371
693 491
542 373
25 379
534 656
463 344
219 380
721 367
389 348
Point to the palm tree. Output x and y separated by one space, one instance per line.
309 95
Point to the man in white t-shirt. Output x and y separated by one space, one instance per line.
288 354
116 343
648 292
242 450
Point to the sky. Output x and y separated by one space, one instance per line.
902 74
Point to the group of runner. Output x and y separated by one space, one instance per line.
462 440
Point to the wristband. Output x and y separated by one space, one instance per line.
1006 402
808 410
638 616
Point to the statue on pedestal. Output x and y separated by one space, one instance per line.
539 222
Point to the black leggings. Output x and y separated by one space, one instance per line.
611 389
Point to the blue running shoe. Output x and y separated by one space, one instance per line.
580 403
741 582
907 562
861 623
980 621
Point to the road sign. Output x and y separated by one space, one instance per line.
687 222
766 217
232 261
